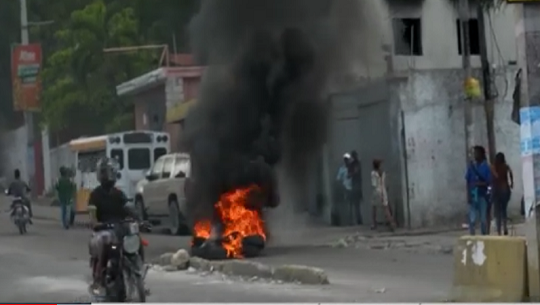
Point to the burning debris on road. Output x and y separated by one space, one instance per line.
242 228
260 105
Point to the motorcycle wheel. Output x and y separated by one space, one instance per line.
138 282
134 284
22 227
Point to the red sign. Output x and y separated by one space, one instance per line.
25 75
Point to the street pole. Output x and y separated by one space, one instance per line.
489 102
28 115
530 156
467 73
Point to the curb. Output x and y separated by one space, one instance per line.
244 268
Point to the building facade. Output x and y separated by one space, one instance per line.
162 98
406 107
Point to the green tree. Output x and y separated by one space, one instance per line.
79 78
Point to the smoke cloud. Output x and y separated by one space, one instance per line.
262 101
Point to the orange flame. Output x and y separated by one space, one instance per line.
238 221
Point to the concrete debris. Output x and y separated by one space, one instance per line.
163 260
246 270
381 290
301 274
170 268
199 263
180 259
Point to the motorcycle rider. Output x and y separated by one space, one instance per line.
19 188
107 205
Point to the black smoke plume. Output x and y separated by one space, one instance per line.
261 101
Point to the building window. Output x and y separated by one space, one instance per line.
407 36
474 37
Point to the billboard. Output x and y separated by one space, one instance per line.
25 77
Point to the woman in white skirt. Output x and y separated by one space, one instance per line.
380 195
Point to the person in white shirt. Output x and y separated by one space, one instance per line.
380 195
345 179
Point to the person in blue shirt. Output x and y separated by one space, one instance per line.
478 178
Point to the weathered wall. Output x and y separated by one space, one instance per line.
60 156
14 153
368 121
435 144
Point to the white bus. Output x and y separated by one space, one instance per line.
135 152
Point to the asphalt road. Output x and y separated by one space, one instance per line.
51 265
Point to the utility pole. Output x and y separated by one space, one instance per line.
489 102
28 115
467 73
527 56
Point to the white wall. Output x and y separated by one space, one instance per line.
14 153
435 143
58 157
439 36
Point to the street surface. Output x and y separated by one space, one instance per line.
51 265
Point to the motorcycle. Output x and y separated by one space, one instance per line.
20 215
125 270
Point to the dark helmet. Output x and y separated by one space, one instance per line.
63 171
107 170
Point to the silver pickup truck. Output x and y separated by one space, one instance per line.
161 195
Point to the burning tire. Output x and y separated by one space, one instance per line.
241 232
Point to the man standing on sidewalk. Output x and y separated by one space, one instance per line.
65 189
478 178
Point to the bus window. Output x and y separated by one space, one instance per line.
88 160
158 152
139 158
118 154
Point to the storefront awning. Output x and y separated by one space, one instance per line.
179 111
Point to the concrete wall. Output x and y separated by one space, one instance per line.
59 156
434 142
150 109
373 55
368 121
439 34
416 126
14 153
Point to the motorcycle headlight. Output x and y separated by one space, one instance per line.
131 243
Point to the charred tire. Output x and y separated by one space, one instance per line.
177 224
141 209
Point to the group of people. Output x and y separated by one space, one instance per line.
489 185
65 192
350 178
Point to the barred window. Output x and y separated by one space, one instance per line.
88 160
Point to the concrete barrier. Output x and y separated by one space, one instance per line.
301 274
490 269
246 269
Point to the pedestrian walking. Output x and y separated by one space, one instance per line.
345 181
355 173
478 177
503 183
380 195
65 189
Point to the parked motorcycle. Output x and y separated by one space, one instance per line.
20 215
125 271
